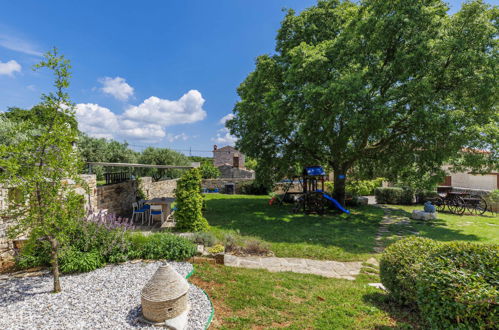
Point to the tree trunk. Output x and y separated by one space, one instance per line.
339 185
55 264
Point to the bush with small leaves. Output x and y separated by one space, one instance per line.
458 287
400 264
189 215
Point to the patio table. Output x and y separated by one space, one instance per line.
165 202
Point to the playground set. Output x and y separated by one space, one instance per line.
312 198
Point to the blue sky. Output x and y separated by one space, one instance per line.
161 73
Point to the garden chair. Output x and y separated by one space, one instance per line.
156 210
137 211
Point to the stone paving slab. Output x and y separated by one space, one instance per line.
333 269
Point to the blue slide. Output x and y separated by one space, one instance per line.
334 201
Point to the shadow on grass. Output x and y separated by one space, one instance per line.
406 318
436 229
252 216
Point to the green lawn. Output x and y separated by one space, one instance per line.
338 237
449 227
257 299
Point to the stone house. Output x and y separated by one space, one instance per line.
230 162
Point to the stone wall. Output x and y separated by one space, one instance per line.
228 172
220 184
226 155
164 188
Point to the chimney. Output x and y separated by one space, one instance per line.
215 147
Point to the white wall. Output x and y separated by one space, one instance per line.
466 180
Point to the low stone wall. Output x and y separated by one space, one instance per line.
117 198
220 184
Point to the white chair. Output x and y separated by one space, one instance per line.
138 211
156 210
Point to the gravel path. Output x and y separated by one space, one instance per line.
107 298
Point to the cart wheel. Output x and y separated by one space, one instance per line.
481 206
439 204
457 206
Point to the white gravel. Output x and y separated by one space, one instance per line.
107 298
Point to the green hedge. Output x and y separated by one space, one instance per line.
425 195
254 188
458 287
400 264
394 195
454 285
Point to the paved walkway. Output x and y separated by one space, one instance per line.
403 228
334 269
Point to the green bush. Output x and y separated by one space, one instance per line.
458 287
357 187
189 216
400 264
160 246
394 195
204 238
254 188
73 260
425 195
209 171
34 253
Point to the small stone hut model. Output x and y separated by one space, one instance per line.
165 295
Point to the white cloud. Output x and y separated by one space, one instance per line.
116 87
187 109
225 118
18 45
97 121
8 68
145 122
224 137
182 136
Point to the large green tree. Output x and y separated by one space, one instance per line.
394 85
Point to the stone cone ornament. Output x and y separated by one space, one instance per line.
165 296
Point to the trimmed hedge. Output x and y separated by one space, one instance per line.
425 195
454 285
458 287
400 265
394 195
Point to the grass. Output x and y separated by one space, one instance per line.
340 237
257 299
450 227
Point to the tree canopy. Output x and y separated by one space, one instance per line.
390 86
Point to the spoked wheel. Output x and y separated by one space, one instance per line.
439 204
456 205
480 206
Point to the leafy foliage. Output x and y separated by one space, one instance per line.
394 195
400 264
209 171
457 286
73 261
161 246
162 156
399 87
358 187
43 168
189 215
254 188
